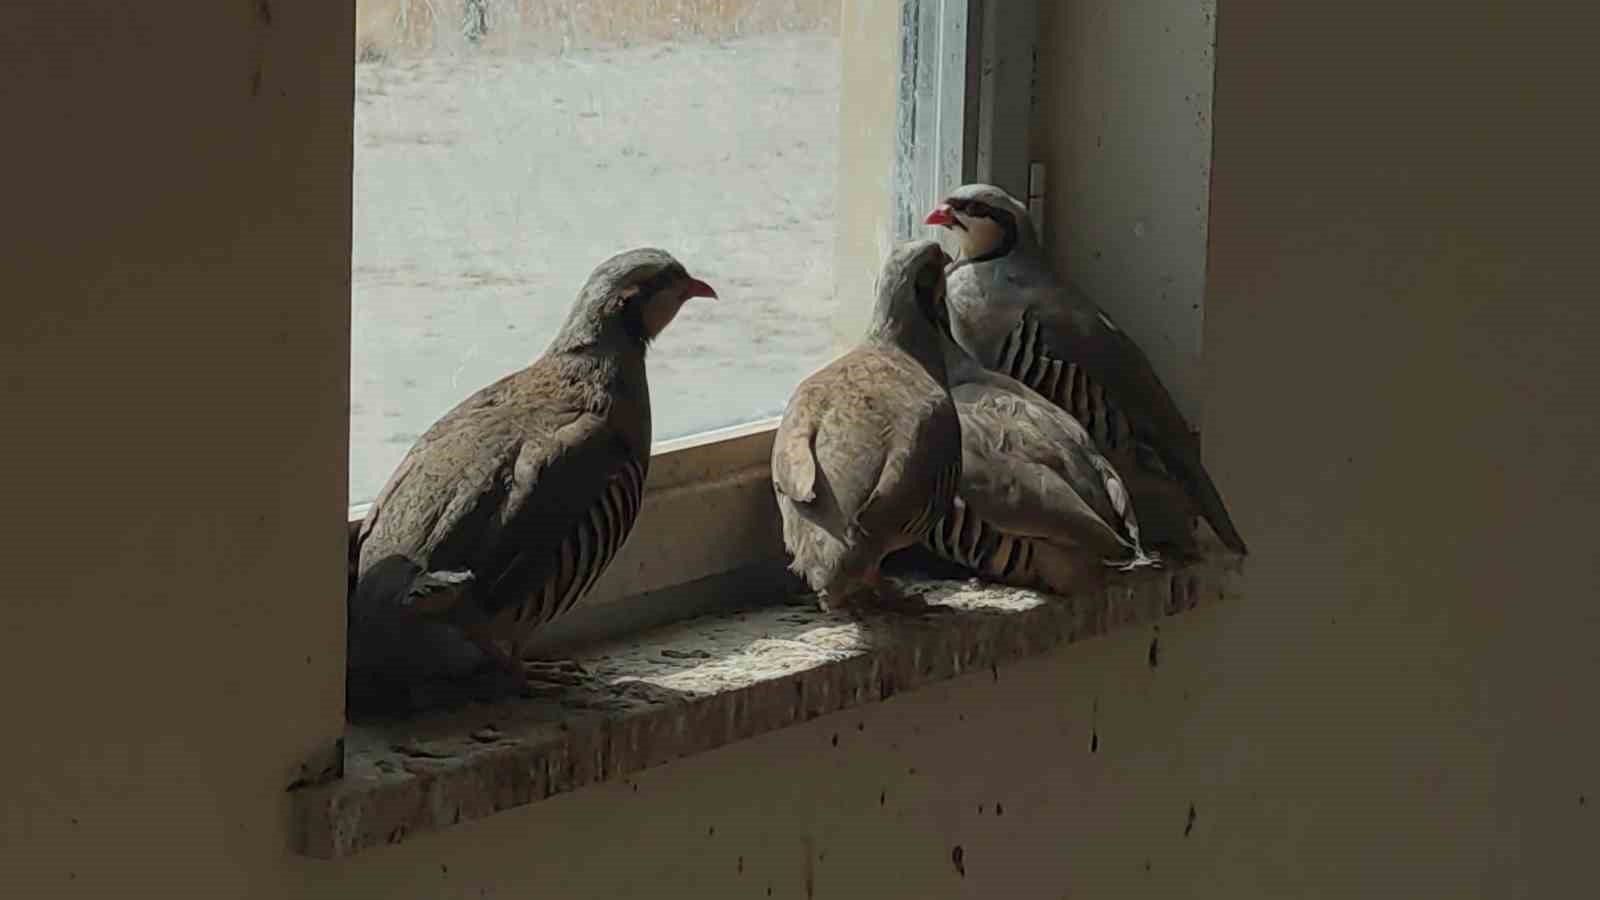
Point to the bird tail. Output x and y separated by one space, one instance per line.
1206 496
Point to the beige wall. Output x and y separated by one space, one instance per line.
1399 322
1127 145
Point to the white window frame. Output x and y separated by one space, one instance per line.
964 108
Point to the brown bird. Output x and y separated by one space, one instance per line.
506 511
1038 506
869 452
1010 311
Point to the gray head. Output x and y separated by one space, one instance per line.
988 222
911 289
631 297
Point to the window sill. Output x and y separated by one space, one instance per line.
693 686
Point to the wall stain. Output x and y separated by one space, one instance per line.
261 11
808 865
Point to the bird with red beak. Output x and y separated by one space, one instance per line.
1012 313
988 223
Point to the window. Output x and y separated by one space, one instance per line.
505 147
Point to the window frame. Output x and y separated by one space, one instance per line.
964 109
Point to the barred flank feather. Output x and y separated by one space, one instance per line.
1023 356
590 547
965 539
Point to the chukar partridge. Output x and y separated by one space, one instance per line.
1015 316
506 511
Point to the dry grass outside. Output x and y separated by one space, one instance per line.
403 27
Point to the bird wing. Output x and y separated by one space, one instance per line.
920 473
1031 475
574 498
525 484
1071 328
1074 329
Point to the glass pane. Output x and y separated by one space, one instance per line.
505 147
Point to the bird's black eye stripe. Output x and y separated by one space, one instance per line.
650 286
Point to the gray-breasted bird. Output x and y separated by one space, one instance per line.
868 455
1038 505
1010 311
506 511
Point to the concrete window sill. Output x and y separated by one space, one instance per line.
693 686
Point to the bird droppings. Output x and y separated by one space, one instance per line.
420 750
958 858
808 865
1188 825
696 653
1154 656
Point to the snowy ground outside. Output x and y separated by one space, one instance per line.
489 184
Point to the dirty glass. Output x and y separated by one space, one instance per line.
504 147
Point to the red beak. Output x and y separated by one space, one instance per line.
943 215
698 288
